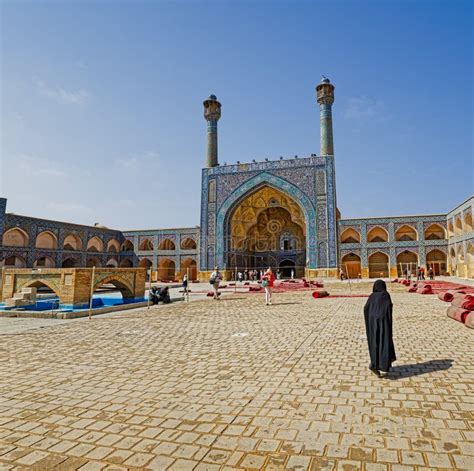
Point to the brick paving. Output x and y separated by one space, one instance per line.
237 385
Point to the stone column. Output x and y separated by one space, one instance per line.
212 114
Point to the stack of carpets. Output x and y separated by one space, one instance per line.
462 309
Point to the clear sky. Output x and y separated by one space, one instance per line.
102 102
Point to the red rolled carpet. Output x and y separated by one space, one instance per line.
412 289
458 314
469 321
463 301
320 294
448 296
427 290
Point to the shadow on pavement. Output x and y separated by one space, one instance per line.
416 369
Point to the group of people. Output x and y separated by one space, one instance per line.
158 295
267 279
420 273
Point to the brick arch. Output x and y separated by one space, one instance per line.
72 242
41 282
15 237
95 244
113 245
188 244
119 283
167 244
46 240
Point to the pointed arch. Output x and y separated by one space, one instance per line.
252 185
68 263
166 244
350 236
468 221
377 234
407 261
93 262
40 283
13 261
118 282
166 269
128 246
435 232
72 242
95 244
44 262
146 245
188 244
437 260
15 237
189 266
112 263
113 246
378 265
126 263
351 265
406 233
46 240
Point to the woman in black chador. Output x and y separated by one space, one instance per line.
378 325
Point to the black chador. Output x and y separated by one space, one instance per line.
378 325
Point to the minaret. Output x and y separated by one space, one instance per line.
212 113
325 98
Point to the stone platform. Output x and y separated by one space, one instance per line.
234 384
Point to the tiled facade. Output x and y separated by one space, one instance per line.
309 181
461 239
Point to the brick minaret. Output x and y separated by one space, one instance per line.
325 98
212 113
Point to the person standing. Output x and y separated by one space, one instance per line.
268 281
378 326
215 280
431 273
185 286
292 274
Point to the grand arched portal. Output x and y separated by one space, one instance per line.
264 229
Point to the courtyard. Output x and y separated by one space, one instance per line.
236 384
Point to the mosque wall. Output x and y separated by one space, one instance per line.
461 239
389 246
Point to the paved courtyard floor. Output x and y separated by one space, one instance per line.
237 385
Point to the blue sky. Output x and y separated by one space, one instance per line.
101 113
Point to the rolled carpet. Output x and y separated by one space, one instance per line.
469 321
463 301
320 293
427 290
448 296
458 314
412 289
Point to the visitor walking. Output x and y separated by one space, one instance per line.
215 280
185 286
431 273
292 274
378 325
268 281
